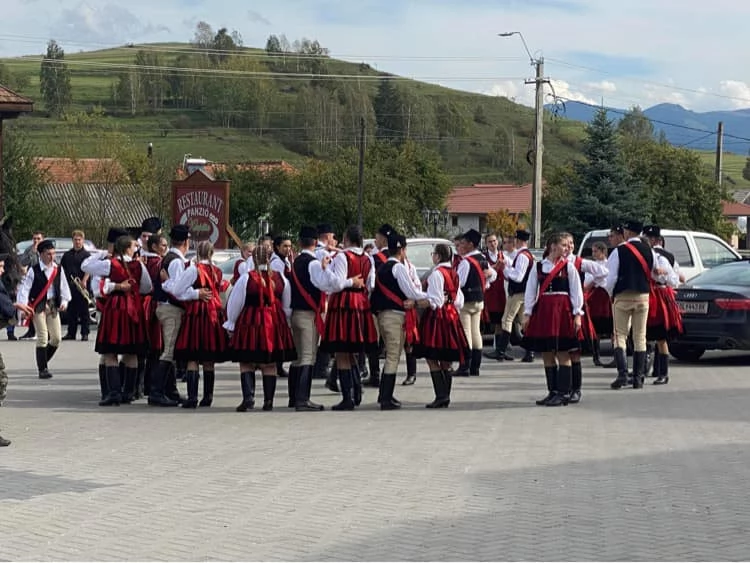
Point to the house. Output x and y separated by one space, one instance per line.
468 206
212 169
737 213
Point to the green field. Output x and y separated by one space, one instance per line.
732 167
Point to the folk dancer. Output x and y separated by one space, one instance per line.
495 297
553 310
245 252
78 310
379 257
45 290
259 334
202 340
442 339
412 337
665 320
350 327
151 256
122 331
598 303
474 276
29 259
393 303
150 226
281 262
325 247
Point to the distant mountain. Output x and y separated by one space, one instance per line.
681 126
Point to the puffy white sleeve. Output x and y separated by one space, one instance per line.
459 302
182 286
532 292
146 286
97 264
236 302
436 289
65 295
286 298
576 291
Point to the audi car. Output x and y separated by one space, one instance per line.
715 308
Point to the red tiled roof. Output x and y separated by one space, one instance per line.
481 199
261 166
12 102
735 209
80 170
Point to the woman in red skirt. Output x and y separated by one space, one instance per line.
598 301
552 322
122 330
202 340
156 248
257 321
442 338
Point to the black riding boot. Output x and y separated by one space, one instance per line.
41 363
387 386
192 377
170 384
304 387
148 369
247 382
50 352
209 378
128 388
411 369
373 362
356 386
292 384
103 381
655 372
139 378
663 375
113 384
528 357
159 377
576 382
448 385
622 369
562 387
596 352
439 385
269 391
639 369
331 380
476 361
347 383
320 371
550 374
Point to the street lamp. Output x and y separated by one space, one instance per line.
435 217
536 185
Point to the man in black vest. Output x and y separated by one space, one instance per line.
474 276
45 289
78 312
630 267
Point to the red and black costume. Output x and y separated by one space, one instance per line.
494 296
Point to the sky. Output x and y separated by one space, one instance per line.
621 54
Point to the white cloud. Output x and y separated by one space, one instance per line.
739 91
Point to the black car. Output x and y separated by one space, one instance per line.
715 309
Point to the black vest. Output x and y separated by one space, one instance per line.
160 295
559 284
380 258
301 267
630 274
473 289
40 280
378 300
520 287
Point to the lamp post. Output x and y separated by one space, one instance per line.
435 217
536 185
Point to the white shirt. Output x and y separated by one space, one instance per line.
405 283
517 273
574 281
175 270
463 270
676 269
279 264
102 265
236 301
322 279
182 288
670 278
339 268
436 289
47 270
591 268
321 251
413 274
613 265
597 280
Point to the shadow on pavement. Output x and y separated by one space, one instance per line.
24 485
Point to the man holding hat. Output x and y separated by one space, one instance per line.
630 267
474 276
45 290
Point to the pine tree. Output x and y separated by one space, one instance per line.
388 112
54 80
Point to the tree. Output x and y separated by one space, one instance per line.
273 45
203 36
14 81
502 223
746 169
388 112
54 80
635 126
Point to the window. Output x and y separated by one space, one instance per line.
454 220
678 246
585 251
734 274
713 253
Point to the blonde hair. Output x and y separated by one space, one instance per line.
78 233
261 257
204 250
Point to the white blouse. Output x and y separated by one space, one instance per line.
574 281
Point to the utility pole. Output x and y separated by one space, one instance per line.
361 178
719 153
536 185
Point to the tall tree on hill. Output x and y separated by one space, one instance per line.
389 116
54 80
636 126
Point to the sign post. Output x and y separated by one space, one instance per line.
202 203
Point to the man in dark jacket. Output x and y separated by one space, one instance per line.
78 311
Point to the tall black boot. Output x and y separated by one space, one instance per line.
50 352
576 382
550 374
128 389
496 353
639 369
528 357
663 376
304 387
121 366
180 371
447 385
192 377
656 364
170 385
356 386
562 384
331 380
209 378
373 362
41 363
269 391
346 404
139 377
247 382
103 381
596 352
441 392
292 384
148 368
387 386
322 359
463 367
280 371
411 369
159 376
113 384
622 369
476 361
504 345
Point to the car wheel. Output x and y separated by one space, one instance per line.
687 354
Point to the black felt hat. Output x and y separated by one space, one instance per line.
386 230
396 242
179 233
652 231
523 234
325 228
633 225
151 225
46 244
472 236
115 233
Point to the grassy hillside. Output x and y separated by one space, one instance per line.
490 143
732 168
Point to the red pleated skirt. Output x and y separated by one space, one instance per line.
600 310
665 321
121 331
202 337
551 327
153 330
260 337
350 326
494 301
442 337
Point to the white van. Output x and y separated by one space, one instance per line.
693 250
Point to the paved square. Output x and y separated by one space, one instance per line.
657 474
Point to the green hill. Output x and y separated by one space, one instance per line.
255 105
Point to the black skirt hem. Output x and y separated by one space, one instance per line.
550 344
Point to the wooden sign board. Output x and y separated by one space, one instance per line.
202 203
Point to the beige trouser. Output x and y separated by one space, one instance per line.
513 310
630 310
47 326
306 337
471 321
391 327
170 318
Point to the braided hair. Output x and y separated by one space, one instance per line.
262 257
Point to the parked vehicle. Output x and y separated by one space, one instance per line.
694 251
715 309
62 245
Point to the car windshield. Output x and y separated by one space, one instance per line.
730 274
420 255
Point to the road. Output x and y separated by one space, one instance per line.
655 474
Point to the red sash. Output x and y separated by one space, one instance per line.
482 279
319 324
451 290
410 318
265 288
132 297
42 294
209 281
652 303
556 269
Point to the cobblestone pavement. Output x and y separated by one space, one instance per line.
657 474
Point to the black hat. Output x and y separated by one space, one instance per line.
618 229
308 232
4 256
151 225
179 233
523 234
115 233
652 231
396 242
325 228
386 230
632 225
46 244
472 236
